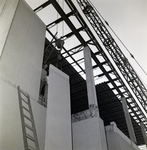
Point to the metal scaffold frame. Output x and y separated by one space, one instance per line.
110 45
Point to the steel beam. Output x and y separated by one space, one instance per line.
39 8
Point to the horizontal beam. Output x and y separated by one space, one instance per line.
42 6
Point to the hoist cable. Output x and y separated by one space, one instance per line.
118 38
57 23
63 20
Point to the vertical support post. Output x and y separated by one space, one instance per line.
93 105
128 120
58 134
143 133
92 99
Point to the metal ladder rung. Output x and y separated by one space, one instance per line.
24 101
30 137
29 127
25 94
28 124
26 109
27 117
30 148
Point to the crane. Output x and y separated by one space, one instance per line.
115 52
110 45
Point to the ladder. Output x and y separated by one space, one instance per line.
28 124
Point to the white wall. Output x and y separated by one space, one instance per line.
23 36
103 135
87 135
58 125
117 140
39 113
11 137
21 60
7 11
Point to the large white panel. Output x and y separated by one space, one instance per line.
87 135
11 59
11 137
7 11
117 140
21 61
39 113
103 135
31 66
20 64
58 126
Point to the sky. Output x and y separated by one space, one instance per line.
128 19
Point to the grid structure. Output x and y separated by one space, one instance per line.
77 33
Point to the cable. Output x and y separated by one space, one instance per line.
63 20
118 38
57 23
57 28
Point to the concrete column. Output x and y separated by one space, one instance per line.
58 120
88 133
128 120
89 77
143 133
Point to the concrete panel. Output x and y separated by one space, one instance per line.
31 66
11 137
87 135
103 135
10 62
117 140
21 61
39 113
7 11
58 125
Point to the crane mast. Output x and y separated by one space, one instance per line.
115 52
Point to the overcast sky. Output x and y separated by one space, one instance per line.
128 18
